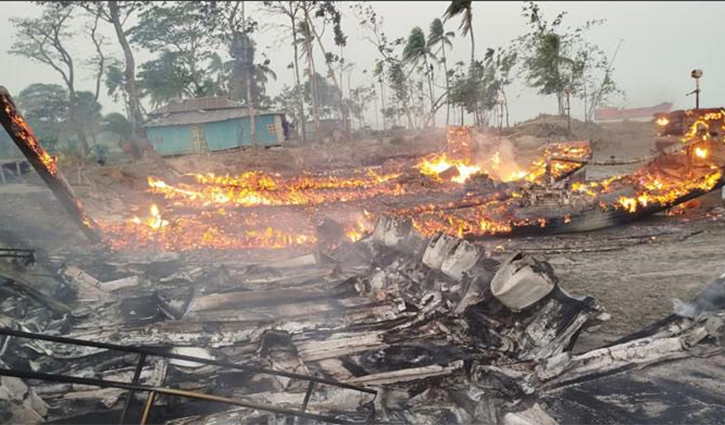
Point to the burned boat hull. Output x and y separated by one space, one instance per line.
596 218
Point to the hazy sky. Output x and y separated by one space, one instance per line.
662 43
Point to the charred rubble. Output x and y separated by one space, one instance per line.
433 328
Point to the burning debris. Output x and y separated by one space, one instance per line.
458 192
397 315
431 329
248 210
45 165
402 311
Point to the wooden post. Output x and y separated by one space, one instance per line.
45 165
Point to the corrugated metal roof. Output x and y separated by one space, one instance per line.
198 111
197 104
201 117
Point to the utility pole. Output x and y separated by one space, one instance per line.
568 110
696 74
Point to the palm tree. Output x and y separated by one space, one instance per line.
437 35
465 10
305 41
415 50
218 67
262 74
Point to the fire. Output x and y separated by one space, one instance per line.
155 221
360 228
496 160
669 193
662 121
556 160
254 209
198 232
253 189
439 164
27 134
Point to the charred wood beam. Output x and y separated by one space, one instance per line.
170 392
20 287
162 353
45 165
596 218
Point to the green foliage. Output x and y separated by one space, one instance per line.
327 96
117 124
360 98
45 107
478 89
88 111
398 80
464 9
181 33
416 47
165 78
437 35
115 81
242 68
286 101
331 14
557 60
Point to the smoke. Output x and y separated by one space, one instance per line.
684 309
500 158
712 298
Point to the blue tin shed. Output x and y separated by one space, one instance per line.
210 124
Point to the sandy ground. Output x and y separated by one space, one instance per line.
636 284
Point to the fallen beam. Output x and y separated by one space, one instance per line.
45 165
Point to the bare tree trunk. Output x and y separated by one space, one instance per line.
248 78
101 58
250 106
430 85
301 128
408 117
313 91
75 122
375 105
331 71
473 44
135 117
382 103
448 88
73 103
506 106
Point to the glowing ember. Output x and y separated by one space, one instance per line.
360 228
199 212
662 121
441 163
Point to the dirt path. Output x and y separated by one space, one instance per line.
636 284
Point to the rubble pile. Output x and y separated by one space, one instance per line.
404 321
441 332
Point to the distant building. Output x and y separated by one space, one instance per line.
210 124
327 128
612 114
